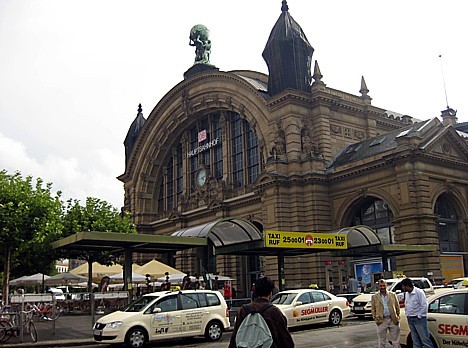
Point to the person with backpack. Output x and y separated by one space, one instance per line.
260 323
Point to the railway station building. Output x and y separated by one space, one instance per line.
286 152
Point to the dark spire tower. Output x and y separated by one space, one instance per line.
288 55
133 132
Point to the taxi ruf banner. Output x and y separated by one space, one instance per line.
305 240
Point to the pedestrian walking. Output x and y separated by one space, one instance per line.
386 314
416 312
352 285
360 285
186 282
273 316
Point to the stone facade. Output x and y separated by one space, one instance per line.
321 156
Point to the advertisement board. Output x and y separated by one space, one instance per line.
452 267
366 269
310 240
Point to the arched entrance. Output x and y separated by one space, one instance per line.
228 232
447 224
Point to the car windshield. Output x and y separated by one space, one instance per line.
139 304
284 298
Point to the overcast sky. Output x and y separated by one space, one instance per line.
72 73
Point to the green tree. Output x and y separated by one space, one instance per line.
98 216
30 219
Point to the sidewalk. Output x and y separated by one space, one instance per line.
69 330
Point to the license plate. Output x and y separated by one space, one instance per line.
97 332
358 308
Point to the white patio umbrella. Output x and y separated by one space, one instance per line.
85 285
17 281
136 277
213 276
65 279
35 279
156 269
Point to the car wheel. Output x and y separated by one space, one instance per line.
335 317
213 331
136 337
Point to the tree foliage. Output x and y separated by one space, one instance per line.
97 215
30 219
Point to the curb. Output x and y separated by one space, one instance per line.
64 343
51 343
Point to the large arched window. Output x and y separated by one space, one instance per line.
375 213
224 144
245 158
447 224
171 187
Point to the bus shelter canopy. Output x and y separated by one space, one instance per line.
228 231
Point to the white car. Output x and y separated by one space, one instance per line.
306 306
57 293
361 304
457 283
447 320
164 315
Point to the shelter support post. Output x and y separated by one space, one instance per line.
281 279
127 270
385 267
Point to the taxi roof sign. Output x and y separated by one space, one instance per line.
305 240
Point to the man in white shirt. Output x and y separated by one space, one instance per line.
416 313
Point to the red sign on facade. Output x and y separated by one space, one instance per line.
202 136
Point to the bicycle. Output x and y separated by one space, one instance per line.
11 327
44 311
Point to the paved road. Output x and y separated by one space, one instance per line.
352 333
75 331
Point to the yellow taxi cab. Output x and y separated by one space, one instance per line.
460 283
165 315
447 320
309 306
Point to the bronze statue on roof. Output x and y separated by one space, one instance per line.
199 38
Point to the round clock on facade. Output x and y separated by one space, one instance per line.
201 177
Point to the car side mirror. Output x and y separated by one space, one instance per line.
157 310
298 303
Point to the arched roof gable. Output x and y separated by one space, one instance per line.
198 95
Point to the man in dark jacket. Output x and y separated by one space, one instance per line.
273 316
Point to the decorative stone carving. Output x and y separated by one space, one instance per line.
279 141
335 129
187 103
358 134
229 103
309 147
